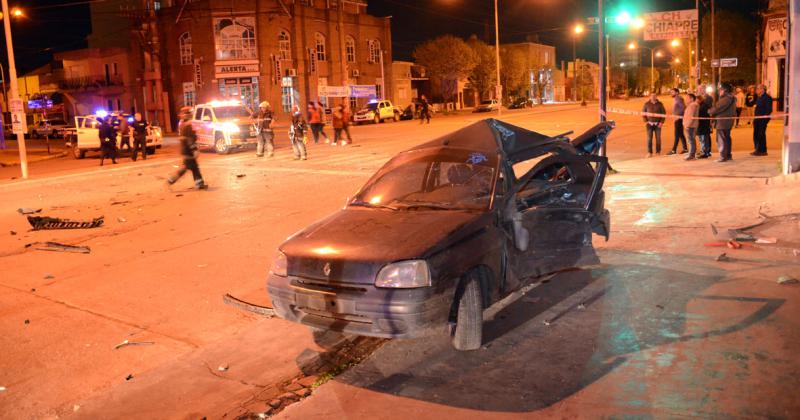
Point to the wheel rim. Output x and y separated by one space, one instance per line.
377 120
220 145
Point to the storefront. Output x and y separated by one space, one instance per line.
774 53
236 69
238 81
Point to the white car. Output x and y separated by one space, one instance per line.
54 128
85 137
223 126
486 106
376 112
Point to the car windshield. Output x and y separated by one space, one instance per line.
226 112
370 107
439 179
486 103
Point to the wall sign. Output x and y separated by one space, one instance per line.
236 69
776 37
670 25
198 74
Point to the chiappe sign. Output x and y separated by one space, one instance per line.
670 25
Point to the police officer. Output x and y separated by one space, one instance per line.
108 140
140 128
264 120
188 151
297 134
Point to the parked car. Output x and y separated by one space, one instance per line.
85 136
486 106
377 112
521 102
54 128
408 113
444 230
223 126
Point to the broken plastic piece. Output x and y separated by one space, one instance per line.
787 280
44 222
261 310
28 210
767 240
55 246
723 257
133 343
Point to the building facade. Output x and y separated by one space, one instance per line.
772 50
540 60
283 52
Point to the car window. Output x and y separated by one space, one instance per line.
198 114
226 112
58 122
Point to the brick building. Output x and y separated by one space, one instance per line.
285 52
542 72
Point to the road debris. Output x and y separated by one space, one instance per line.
2 388
796 252
49 276
660 306
27 321
546 322
241 175
237 303
723 257
767 240
55 246
44 222
12 232
787 280
734 245
223 368
122 219
133 343
129 377
117 203
28 210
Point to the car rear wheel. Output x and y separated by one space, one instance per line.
377 119
396 116
76 152
219 145
469 322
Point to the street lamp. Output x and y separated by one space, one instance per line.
576 31
498 87
653 53
675 43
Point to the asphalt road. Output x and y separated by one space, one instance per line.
164 258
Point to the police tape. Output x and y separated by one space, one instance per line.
651 114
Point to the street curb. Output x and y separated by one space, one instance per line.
48 157
781 180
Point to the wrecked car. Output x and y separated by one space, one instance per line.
444 230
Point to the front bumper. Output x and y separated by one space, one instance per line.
364 118
360 309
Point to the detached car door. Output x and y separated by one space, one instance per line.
552 211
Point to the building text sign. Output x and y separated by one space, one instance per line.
776 37
18 123
363 91
333 91
242 69
670 25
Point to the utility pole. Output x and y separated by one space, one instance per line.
791 129
498 87
342 47
697 46
574 72
602 61
714 46
12 74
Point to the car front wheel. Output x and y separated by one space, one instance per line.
76 152
469 322
219 145
396 116
377 119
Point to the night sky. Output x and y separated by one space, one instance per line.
59 25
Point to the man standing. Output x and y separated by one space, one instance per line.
691 122
749 103
346 124
426 110
337 125
140 128
264 121
724 111
704 124
654 122
297 134
108 140
678 108
188 151
740 99
763 109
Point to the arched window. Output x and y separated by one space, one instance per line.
320 46
374 47
284 45
350 49
185 48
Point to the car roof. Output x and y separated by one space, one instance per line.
493 136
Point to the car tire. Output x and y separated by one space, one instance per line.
76 152
396 117
219 145
151 150
469 322
377 119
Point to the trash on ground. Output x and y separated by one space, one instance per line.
734 245
767 240
716 244
129 377
121 219
12 232
44 222
796 252
178 195
27 321
55 246
546 322
116 203
133 343
241 175
223 368
660 306
28 210
237 303
49 276
581 306
787 280
2 388
723 257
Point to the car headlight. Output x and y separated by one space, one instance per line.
279 264
230 128
404 275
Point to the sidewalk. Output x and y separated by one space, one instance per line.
661 329
36 151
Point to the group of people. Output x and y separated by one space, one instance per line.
697 117
111 126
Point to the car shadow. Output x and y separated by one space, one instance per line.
561 337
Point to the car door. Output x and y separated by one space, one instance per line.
203 126
552 209
89 134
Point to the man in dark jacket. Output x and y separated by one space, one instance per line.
724 111
704 125
654 122
678 107
763 109
188 151
139 127
108 140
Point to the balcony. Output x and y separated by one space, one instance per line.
92 83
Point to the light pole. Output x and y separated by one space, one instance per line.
653 53
576 31
498 87
12 74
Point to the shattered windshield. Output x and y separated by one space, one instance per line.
443 179
226 112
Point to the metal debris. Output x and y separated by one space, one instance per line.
723 257
28 210
787 280
133 343
767 240
237 303
223 368
44 222
55 246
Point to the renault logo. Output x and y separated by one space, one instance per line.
327 269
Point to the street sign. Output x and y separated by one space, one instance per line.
670 25
18 123
333 91
729 62
715 62
363 91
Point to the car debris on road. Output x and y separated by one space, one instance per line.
133 343
45 222
55 246
27 210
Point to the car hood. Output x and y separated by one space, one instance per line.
357 242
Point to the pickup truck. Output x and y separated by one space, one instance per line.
377 111
223 126
85 136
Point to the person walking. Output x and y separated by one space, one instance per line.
763 109
678 108
315 121
425 113
740 98
189 151
749 104
108 141
323 119
723 112
121 126
346 124
297 134
264 120
140 127
654 122
691 123
338 125
703 131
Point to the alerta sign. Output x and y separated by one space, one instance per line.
671 25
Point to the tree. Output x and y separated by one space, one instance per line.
447 59
484 76
735 38
643 79
513 72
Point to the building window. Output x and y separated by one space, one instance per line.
188 94
185 48
546 58
350 49
235 38
284 46
116 70
374 47
319 41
